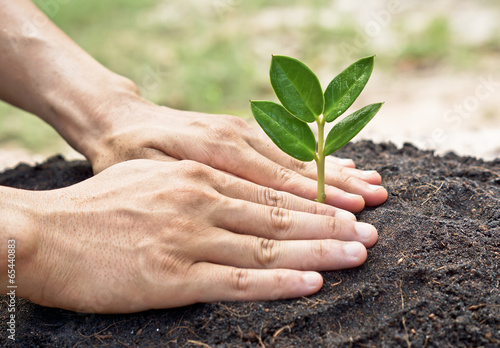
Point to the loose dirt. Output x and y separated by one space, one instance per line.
432 280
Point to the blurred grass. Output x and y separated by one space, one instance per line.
20 129
431 44
213 55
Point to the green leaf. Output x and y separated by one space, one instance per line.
289 133
297 88
346 87
351 125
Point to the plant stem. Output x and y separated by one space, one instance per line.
320 159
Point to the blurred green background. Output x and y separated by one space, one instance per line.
213 55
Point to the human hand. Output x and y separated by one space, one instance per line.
102 116
144 130
147 234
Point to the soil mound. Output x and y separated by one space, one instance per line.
432 280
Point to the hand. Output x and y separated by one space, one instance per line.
146 234
145 130
102 116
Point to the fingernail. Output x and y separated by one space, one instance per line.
368 172
353 249
364 230
354 195
311 279
374 187
343 214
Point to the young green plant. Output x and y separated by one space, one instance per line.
303 102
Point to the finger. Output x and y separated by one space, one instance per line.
224 283
360 182
345 162
261 170
282 224
237 188
227 248
264 146
357 182
337 171
369 176
332 165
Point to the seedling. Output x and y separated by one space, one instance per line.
303 102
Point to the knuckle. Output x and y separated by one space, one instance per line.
238 122
229 155
343 177
317 209
161 196
273 198
319 249
280 220
197 197
299 166
279 287
227 143
191 195
332 225
240 279
266 253
322 209
284 174
194 169
289 180
223 131
350 180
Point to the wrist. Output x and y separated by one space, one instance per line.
116 136
18 239
85 113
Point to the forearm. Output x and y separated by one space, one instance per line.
18 238
44 72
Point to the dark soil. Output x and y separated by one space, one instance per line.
431 281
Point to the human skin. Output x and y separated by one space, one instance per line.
147 234
225 217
